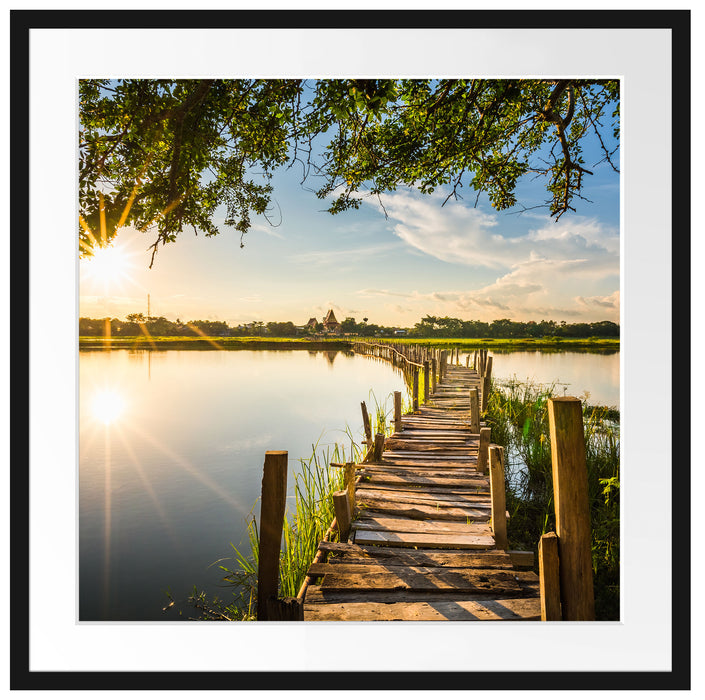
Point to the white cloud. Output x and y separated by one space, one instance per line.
461 234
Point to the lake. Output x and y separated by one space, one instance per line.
172 443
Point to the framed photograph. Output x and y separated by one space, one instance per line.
591 236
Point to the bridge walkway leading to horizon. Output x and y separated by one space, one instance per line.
421 545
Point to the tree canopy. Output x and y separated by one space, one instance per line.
163 155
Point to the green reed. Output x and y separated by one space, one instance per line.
304 528
517 414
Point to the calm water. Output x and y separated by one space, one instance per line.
595 374
172 446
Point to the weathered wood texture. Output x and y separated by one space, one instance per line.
273 503
570 495
549 577
420 544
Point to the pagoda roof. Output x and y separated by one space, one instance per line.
330 317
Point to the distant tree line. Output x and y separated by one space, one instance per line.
428 327
447 327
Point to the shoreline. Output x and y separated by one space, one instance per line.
321 344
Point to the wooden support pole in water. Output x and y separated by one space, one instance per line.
366 425
483 454
426 381
415 386
499 505
397 411
379 447
433 374
570 497
549 581
474 412
342 514
271 521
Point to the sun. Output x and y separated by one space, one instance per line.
108 265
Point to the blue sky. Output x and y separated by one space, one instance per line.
454 260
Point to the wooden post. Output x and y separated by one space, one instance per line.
271 522
488 367
350 484
415 385
570 497
426 381
342 514
433 374
483 454
379 447
285 609
485 392
549 582
474 412
474 360
499 505
397 411
366 425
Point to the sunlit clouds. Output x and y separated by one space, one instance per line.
393 265
553 270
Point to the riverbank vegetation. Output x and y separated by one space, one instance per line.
439 329
517 414
304 528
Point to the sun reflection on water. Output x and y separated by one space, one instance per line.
108 406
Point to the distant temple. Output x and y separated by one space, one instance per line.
312 323
330 324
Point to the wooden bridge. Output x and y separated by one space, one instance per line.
422 524
421 546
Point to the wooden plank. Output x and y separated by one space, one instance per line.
480 512
381 522
459 455
365 495
508 609
355 553
419 539
399 484
494 581
521 558
427 471
317 595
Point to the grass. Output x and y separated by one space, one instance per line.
518 417
234 343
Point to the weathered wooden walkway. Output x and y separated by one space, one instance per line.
421 545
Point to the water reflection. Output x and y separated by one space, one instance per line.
170 461
171 455
108 405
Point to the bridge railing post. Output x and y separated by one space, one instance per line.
415 390
426 382
498 497
570 497
549 577
397 411
474 412
366 425
483 453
